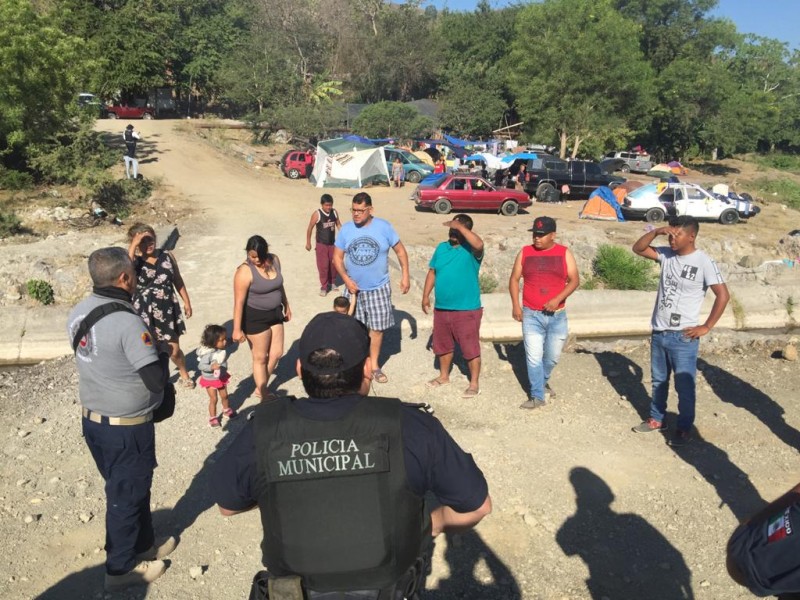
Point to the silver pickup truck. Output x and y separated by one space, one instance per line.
628 162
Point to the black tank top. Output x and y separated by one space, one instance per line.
326 227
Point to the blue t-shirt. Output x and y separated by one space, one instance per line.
456 285
366 252
434 462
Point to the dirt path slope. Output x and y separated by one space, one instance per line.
583 507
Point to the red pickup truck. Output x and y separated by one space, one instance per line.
124 111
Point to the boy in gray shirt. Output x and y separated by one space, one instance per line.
686 274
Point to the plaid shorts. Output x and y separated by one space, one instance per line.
374 308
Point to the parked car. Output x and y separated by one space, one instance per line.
467 192
126 111
91 103
547 174
297 163
655 201
629 162
414 168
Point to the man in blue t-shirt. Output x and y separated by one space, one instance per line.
361 257
457 312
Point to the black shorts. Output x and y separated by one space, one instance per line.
258 321
767 552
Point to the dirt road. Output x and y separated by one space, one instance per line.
583 507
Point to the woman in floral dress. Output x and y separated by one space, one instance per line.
155 299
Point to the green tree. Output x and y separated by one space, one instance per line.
391 119
471 111
582 76
37 79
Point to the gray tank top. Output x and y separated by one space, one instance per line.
264 294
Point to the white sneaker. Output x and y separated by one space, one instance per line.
162 548
142 574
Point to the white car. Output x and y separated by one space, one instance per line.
655 201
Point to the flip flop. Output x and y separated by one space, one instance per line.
470 393
379 376
435 383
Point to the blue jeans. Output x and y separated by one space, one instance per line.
544 335
673 352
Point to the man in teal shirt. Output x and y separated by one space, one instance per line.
457 312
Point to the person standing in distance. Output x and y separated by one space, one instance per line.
326 220
361 257
340 477
686 274
131 163
122 379
550 275
453 276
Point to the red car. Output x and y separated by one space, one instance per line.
124 111
444 193
297 163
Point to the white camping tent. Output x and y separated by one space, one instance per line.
350 164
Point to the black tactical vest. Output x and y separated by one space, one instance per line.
336 507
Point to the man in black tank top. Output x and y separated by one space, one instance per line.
326 221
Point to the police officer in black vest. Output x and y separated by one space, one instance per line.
340 478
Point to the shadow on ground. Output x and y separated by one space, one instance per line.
626 556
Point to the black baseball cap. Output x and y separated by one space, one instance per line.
543 225
334 331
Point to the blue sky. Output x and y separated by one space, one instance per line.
778 19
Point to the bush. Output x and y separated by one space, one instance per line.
117 197
14 180
70 156
391 119
618 269
9 223
40 290
487 283
777 160
786 190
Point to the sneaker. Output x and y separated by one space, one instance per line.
650 425
144 573
161 549
323 292
681 438
214 422
549 394
533 403
230 413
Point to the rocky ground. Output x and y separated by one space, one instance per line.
583 508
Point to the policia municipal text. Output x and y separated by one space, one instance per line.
340 478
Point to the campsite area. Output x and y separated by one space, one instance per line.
583 508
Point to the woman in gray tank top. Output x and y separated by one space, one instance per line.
260 308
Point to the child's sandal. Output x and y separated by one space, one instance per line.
214 422
229 412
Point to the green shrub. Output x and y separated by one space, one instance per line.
40 290
118 197
14 180
9 223
778 160
487 283
67 157
618 269
784 190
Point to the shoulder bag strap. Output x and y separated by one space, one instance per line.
94 316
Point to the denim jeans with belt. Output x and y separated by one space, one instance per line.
671 352
544 334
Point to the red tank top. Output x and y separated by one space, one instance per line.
544 274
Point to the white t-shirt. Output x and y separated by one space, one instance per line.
682 288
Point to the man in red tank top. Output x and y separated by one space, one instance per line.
549 274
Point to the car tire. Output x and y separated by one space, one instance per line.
545 192
112 115
509 208
655 215
293 174
148 116
729 216
442 206
413 177
625 168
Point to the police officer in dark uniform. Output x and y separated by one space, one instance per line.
130 137
122 381
340 478
764 551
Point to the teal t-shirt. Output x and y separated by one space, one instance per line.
456 286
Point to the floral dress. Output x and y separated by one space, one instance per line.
156 300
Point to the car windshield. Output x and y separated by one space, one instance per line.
413 159
645 190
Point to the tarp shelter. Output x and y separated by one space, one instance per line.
602 205
374 141
461 143
510 158
348 164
